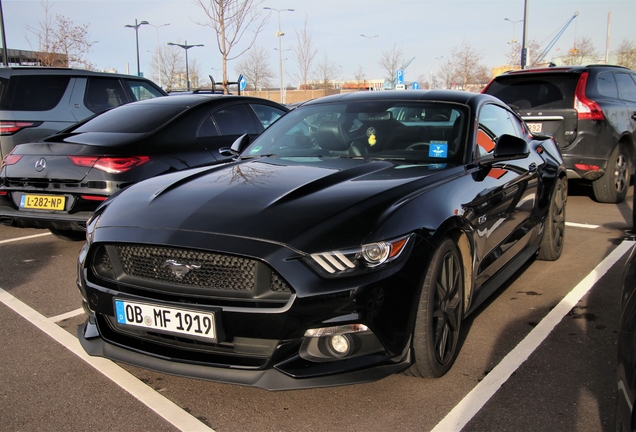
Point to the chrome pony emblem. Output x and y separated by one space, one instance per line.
180 270
40 165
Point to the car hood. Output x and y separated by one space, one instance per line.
304 204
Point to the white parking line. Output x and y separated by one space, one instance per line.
145 394
67 315
25 238
580 225
477 398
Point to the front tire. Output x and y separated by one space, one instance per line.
439 314
612 187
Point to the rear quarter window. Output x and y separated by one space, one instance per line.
142 90
549 91
35 92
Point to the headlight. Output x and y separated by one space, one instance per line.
368 256
91 225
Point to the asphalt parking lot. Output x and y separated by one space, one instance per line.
521 367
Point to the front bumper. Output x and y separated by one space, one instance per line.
268 379
265 342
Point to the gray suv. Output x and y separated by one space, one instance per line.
36 101
590 111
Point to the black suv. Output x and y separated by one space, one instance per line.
38 101
590 111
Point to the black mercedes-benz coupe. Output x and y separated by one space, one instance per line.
57 182
344 244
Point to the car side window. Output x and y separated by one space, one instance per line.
606 85
103 93
142 90
35 92
494 121
267 114
207 128
626 87
234 120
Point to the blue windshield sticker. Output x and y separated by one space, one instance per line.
438 149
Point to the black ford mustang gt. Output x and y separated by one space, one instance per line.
344 244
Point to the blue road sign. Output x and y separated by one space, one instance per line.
415 85
399 77
242 82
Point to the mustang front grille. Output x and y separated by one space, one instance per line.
196 272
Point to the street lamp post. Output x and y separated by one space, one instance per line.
158 55
369 57
280 34
136 27
282 74
513 41
186 47
514 23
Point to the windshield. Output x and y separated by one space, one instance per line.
421 131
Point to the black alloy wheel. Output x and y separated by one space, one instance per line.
612 187
554 226
439 314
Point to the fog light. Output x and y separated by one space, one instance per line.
340 345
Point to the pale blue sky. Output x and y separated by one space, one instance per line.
425 29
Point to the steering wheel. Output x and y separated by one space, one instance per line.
418 146
439 117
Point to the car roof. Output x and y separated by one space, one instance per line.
463 97
6 72
198 99
562 69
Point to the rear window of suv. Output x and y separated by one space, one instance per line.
34 92
541 91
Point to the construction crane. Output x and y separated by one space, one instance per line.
407 64
554 41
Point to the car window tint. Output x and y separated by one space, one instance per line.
267 114
626 87
606 85
103 93
35 92
207 128
132 118
234 120
142 90
550 91
494 121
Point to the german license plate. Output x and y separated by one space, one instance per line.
535 127
166 319
42 202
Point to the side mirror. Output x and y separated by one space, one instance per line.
511 147
239 145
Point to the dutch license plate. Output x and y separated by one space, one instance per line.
166 319
535 127
42 202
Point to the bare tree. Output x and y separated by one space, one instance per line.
326 72
256 69
582 52
626 55
194 71
60 41
304 54
447 74
171 66
391 61
465 62
231 20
